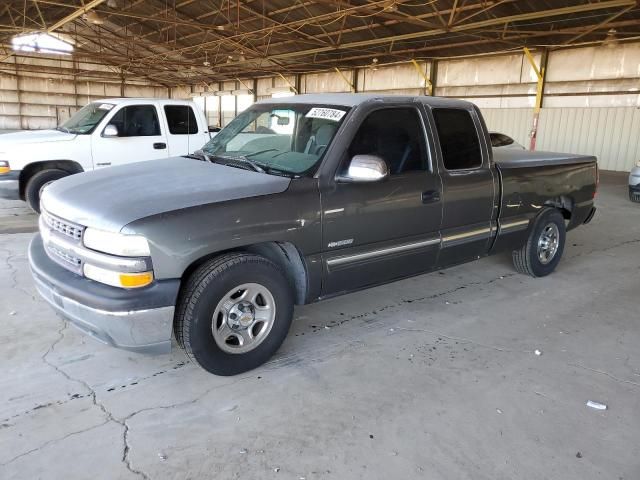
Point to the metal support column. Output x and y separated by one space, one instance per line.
428 87
540 74
352 87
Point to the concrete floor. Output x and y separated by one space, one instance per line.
433 377
17 217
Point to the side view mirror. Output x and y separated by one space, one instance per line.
364 169
110 131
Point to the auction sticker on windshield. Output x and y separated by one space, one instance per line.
105 106
326 113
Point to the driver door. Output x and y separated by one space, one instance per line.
380 231
140 137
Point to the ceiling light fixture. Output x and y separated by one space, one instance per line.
611 40
92 17
391 7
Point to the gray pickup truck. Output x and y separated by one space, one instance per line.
296 200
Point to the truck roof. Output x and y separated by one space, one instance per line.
155 101
353 99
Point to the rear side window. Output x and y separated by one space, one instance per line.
181 119
459 140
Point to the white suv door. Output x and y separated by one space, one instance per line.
183 130
138 137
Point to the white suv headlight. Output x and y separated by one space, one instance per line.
116 243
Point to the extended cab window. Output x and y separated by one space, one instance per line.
136 121
396 136
181 120
459 140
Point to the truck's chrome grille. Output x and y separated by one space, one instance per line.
61 239
62 226
65 258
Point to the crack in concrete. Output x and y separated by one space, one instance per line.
50 442
606 249
92 393
13 273
77 396
126 452
402 302
462 340
602 372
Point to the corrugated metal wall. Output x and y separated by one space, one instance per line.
515 122
42 92
612 134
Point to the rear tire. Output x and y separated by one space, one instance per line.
541 253
36 183
234 313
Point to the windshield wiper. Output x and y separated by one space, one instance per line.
260 151
243 161
63 129
199 155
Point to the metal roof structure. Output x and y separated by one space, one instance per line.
175 42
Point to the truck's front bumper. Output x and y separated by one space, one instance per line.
138 320
10 185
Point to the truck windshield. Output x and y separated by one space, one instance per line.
279 137
86 119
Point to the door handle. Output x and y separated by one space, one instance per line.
430 196
160 146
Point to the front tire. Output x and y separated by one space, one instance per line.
36 184
234 313
541 253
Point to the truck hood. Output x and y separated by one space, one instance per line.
113 197
9 140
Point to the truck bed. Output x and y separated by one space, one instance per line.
530 181
511 158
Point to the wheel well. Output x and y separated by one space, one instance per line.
31 169
564 204
284 254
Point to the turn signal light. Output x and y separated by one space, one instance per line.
118 279
134 280
4 167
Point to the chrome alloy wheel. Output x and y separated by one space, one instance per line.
548 243
243 318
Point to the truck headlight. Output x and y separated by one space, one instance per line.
4 167
116 243
117 279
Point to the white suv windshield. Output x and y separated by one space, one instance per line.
284 137
86 119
